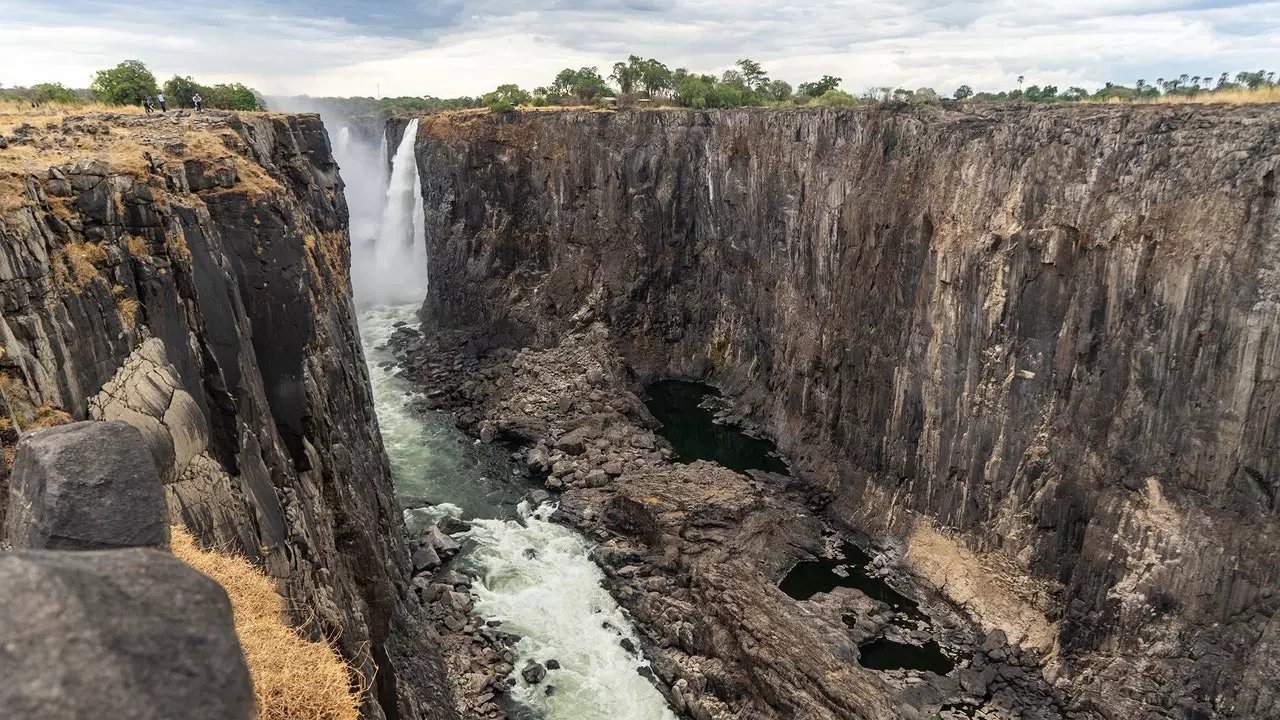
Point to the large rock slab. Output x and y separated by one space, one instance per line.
86 486
130 633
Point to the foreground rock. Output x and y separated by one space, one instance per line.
117 634
86 486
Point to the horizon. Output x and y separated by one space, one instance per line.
468 47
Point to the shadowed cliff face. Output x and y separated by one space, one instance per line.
1040 344
194 283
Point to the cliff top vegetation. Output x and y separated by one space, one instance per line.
127 84
293 677
647 82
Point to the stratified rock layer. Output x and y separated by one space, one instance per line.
188 275
1040 344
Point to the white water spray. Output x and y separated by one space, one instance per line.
393 270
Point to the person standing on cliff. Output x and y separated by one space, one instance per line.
146 103
197 102
160 101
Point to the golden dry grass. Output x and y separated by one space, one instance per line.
1221 97
293 678
84 258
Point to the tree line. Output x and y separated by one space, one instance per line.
646 81
130 81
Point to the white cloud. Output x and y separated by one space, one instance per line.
469 46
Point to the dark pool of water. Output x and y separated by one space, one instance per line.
885 654
691 429
809 578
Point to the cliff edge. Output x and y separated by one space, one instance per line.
189 275
1038 345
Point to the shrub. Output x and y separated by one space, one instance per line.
835 99
501 106
293 677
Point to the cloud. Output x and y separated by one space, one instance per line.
452 47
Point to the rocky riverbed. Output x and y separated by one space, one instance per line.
696 552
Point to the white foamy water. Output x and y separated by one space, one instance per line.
553 596
538 579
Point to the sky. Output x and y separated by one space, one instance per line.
448 48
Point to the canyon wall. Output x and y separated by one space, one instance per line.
1035 347
189 275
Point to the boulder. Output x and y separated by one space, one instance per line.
444 545
574 442
86 486
133 633
425 558
597 479
533 673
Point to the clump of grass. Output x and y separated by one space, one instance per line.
48 415
84 258
293 678
127 306
137 247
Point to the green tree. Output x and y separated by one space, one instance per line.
627 75
178 91
511 94
583 84
753 75
654 76
779 90
124 84
51 92
963 92
820 87
232 97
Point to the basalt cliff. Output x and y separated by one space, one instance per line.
189 275
1034 349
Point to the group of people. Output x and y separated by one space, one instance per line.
197 102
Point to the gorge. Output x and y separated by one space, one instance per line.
1035 345
982 425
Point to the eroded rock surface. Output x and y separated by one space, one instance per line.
1039 345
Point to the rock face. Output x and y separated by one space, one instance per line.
189 276
1038 344
86 486
121 633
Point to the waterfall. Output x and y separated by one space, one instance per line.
393 269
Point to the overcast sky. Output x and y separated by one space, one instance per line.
466 47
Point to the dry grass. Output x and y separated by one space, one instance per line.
1221 97
137 247
127 307
84 258
293 678
48 415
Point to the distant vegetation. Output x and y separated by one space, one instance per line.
645 81
130 81
648 82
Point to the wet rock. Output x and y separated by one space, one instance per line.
533 673
425 558
443 545
553 664
627 645
537 497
